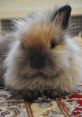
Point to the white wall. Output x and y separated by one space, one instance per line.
14 8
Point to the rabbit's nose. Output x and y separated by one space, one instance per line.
37 58
38 61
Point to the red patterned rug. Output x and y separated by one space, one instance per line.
69 106
72 105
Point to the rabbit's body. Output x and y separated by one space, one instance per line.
42 57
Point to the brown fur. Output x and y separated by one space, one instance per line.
41 33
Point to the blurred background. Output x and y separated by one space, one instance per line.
11 9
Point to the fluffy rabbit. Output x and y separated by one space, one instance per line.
41 57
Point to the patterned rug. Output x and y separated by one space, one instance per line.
13 106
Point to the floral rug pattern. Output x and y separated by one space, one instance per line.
13 106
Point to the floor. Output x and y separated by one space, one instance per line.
13 106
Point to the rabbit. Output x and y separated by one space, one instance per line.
40 58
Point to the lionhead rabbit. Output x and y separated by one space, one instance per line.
41 57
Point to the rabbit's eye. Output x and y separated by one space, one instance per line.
52 44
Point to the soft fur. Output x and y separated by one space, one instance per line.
62 71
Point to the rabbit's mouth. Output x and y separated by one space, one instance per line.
39 74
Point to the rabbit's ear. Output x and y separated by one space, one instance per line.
61 16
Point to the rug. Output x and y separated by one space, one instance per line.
68 106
